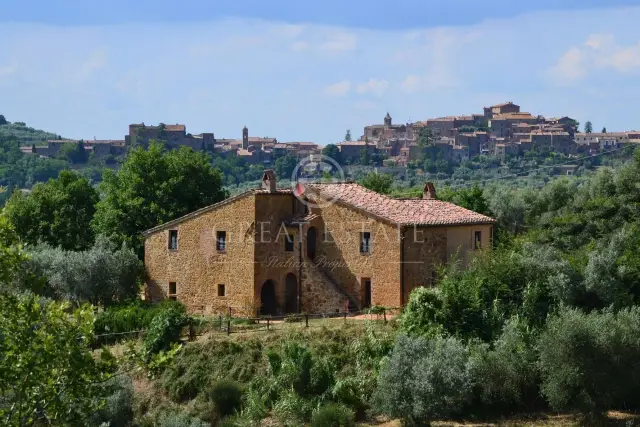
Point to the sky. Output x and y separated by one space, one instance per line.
309 70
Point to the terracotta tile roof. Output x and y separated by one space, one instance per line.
400 211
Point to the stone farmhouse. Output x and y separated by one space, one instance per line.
318 248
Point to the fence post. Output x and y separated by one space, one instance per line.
192 332
229 311
345 317
220 320
384 314
306 320
229 327
267 323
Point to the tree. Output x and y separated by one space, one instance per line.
604 130
58 212
424 379
332 150
73 153
364 156
347 136
48 373
380 183
11 255
588 127
3 121
102 275
285 166
585 358
154 186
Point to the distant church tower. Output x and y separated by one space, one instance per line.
387 120
245 138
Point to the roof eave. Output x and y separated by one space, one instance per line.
197 213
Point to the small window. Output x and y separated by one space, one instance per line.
365 243
477 241
221 240
173 240
221 290
172 290
288 243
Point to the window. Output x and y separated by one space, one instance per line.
172 290
221 290
288 242
221 240
173 240
365 243
477 240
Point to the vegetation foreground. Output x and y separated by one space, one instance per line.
547 322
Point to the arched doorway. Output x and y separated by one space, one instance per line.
269 304
291 294
312 236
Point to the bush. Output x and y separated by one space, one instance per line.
180 419
423 380
133 316
226 397
589 362
291 410
333 415
506 377
165 329
118 409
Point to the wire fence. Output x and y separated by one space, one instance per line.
227 325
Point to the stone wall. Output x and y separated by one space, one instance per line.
272 262
425 250
339 254
198 268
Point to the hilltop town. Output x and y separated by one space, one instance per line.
500 130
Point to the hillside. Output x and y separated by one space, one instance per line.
24 134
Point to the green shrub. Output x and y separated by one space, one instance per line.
134 316
118 408
333 415
506 376
201 363
589 362
424 379
180 419
291 410
226 397
164 330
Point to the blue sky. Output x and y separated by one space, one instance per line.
307 71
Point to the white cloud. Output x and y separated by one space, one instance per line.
6 70
570 67
300 46
96 61
339 42
437 78
373 86
626 59
599 51
338 89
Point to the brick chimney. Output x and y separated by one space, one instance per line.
429 192
269 180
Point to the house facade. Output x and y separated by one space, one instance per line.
321 248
